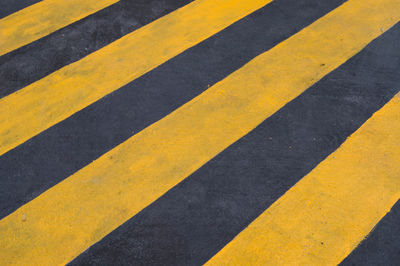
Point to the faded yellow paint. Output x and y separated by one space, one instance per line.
43 18
50 100
68 218
328 213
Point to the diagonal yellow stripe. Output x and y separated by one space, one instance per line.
43 18
50 100
68 218
322 218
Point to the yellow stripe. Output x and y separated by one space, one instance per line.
71 216
323 217
43 18
50 100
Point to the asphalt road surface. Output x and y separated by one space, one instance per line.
229 132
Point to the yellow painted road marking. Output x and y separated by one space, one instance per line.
327 214
50 100
43 18
68 218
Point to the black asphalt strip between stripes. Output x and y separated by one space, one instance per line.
7 7
382 246
38 59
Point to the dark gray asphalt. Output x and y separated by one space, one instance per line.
7 7
67 45
56 153
195 219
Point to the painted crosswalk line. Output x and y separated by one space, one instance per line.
50 100
43 18
328 213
